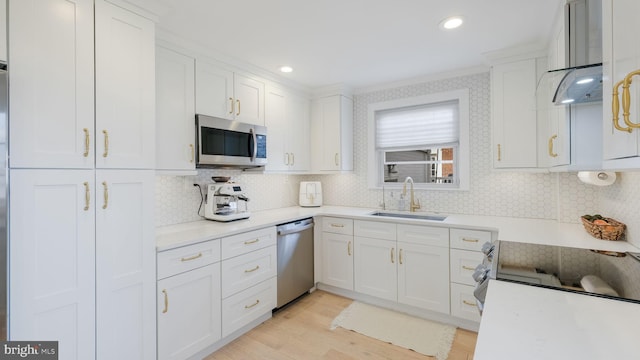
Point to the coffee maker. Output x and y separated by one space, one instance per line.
225 202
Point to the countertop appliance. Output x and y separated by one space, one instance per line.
559 268
310 194
225 202
295 260
223 144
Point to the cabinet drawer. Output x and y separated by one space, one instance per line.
248 305
463 304
243 243
469 239
375 230
424 235
337 225
247 270
176 261
463 263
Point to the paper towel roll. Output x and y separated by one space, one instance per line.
599 178
594 284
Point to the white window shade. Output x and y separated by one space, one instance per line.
408 127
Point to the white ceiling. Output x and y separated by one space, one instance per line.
358 43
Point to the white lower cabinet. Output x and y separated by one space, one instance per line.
463 303
189 312
248 305
337 252
375 267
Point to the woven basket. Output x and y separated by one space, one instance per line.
614 230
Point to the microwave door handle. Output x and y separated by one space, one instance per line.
254 153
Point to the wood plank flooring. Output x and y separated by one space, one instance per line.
301 331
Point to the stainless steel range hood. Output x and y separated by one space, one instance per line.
581 80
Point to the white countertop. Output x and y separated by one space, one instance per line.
533 231
526 322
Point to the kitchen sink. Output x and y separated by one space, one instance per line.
409 216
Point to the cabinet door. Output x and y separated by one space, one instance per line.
125 264
620 28
332 132
214 91
249 99
279 130
175 110
513 88
52 259
51 93
189 308
125 89
298 118
337 260
375 267
423 276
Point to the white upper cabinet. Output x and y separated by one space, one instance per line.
621 57
175 110
332 134
228 95
125 89
513 116
287 119
3 30
51 102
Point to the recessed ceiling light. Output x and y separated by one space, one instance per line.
584 81
567 101
451 22
286 69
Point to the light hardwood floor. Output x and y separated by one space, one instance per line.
301 331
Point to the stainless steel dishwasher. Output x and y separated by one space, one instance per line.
295 260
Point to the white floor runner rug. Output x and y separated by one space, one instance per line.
424 336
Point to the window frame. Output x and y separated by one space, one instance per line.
375 170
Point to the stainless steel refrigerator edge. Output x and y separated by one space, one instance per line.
4 289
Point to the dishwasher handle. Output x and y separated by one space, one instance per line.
295 230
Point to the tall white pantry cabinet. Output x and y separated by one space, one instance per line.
81 229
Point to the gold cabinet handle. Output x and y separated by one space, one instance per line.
293 159
626 99
193 153
252 305
551 153
470 240
252 270
238 102
615 108
87 196
468 267
337 225
249 242
286 158
400 256
336 159
86 142
166 301
106 195
468 303
349 248
499 152
393 258
106 143
191 257
232 106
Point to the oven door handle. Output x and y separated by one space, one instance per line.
254 142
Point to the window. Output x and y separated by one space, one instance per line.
425 138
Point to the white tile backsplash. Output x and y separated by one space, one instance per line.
519 194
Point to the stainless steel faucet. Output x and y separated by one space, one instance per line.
413 205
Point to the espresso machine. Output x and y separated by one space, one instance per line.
225 202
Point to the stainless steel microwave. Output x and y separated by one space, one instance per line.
223 143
